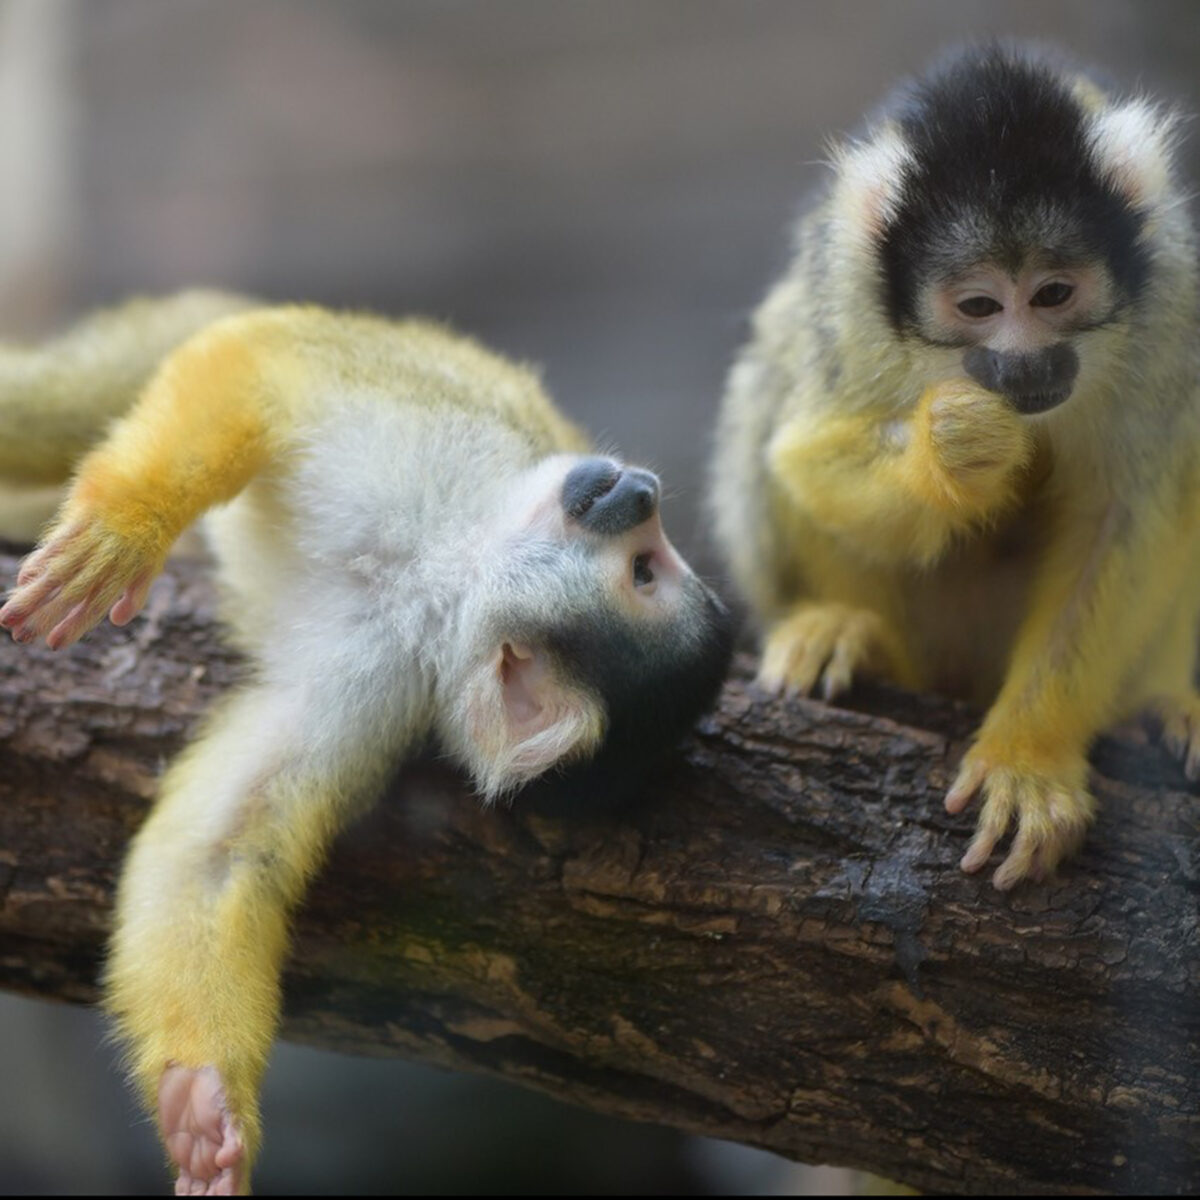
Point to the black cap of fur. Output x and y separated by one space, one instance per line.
1001 165
654 684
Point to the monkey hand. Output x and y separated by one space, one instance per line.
83 569
202 1138
975 442
1049 801
828 644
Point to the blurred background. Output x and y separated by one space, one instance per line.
601 187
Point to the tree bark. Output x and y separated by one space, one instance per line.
773 946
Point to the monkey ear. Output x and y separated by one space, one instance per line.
871 179
1132 145
521 719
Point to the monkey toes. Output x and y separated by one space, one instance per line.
79 573
826 644
200 1135
1052 810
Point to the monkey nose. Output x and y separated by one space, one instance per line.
638 492
1033 381
608 499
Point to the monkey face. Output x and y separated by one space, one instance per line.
614 509
597 516
1017 329
594 646
1006 206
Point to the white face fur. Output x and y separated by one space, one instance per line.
514 713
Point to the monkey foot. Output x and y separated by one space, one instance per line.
1051 808
825 644
200 1134
65 587
1178 718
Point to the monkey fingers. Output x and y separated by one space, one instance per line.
1052 810
66 586
825 643
977 439
199 1131
1179 721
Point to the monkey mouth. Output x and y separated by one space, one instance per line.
1031 403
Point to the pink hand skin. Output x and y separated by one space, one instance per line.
62 591
201 1136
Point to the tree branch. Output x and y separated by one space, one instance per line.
776 947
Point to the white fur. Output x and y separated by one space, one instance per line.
1132 145
871 179
364 565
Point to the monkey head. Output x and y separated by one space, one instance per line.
1010 217
593 646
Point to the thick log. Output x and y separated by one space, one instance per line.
775 946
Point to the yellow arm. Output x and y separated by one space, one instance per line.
899 491
213 416
244 819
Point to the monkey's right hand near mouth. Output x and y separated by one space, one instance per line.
975 442
902 490
955 461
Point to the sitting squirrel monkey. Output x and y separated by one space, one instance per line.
412 543
962 448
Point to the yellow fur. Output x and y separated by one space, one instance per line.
833 641
203 989
949 467
58 396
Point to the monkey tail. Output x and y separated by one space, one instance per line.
57 398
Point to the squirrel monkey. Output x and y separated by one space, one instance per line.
412 543
962 448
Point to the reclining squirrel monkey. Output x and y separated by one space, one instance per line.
962 447
414 542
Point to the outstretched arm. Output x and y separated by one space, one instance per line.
202 913
212 417
899 491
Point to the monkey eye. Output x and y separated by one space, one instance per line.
1051 295
979 306
643 576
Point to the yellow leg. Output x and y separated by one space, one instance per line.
1101 598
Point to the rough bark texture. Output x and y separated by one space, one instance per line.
775 947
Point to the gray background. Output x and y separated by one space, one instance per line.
601 187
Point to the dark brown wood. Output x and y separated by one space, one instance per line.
775 946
